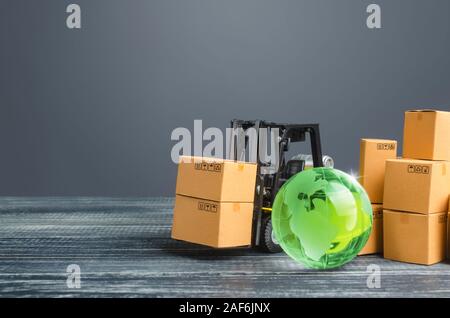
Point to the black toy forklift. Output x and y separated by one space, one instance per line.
268 183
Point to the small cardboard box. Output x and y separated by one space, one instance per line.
216 224
415 238
374 244
216 179
426 135
372 159
416 185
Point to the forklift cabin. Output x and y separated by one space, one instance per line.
269 179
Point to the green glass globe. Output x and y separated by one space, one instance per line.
322 217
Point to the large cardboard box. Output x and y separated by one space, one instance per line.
416 185
216 224
448 232
448 235
216 179
374 244
426 135
372 159
415 238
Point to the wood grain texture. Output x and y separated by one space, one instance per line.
124 249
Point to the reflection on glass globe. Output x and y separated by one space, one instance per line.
322 217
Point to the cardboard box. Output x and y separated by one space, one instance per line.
372 159
448 236
448 231
374 244
426 135
216 224
415 238
417 185
216 179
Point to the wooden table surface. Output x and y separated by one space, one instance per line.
123 248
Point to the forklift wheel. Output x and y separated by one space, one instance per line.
269 243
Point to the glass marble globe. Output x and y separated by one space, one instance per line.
322 217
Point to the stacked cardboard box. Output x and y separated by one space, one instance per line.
373 156
416 191
374 244
214 202
448 231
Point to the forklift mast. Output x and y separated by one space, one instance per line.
268 184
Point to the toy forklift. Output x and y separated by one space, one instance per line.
268 184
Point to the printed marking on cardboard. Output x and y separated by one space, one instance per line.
213 167
378 214
418 169
386 146
208 207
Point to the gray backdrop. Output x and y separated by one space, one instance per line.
90 112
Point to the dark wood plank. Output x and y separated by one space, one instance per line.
124 249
